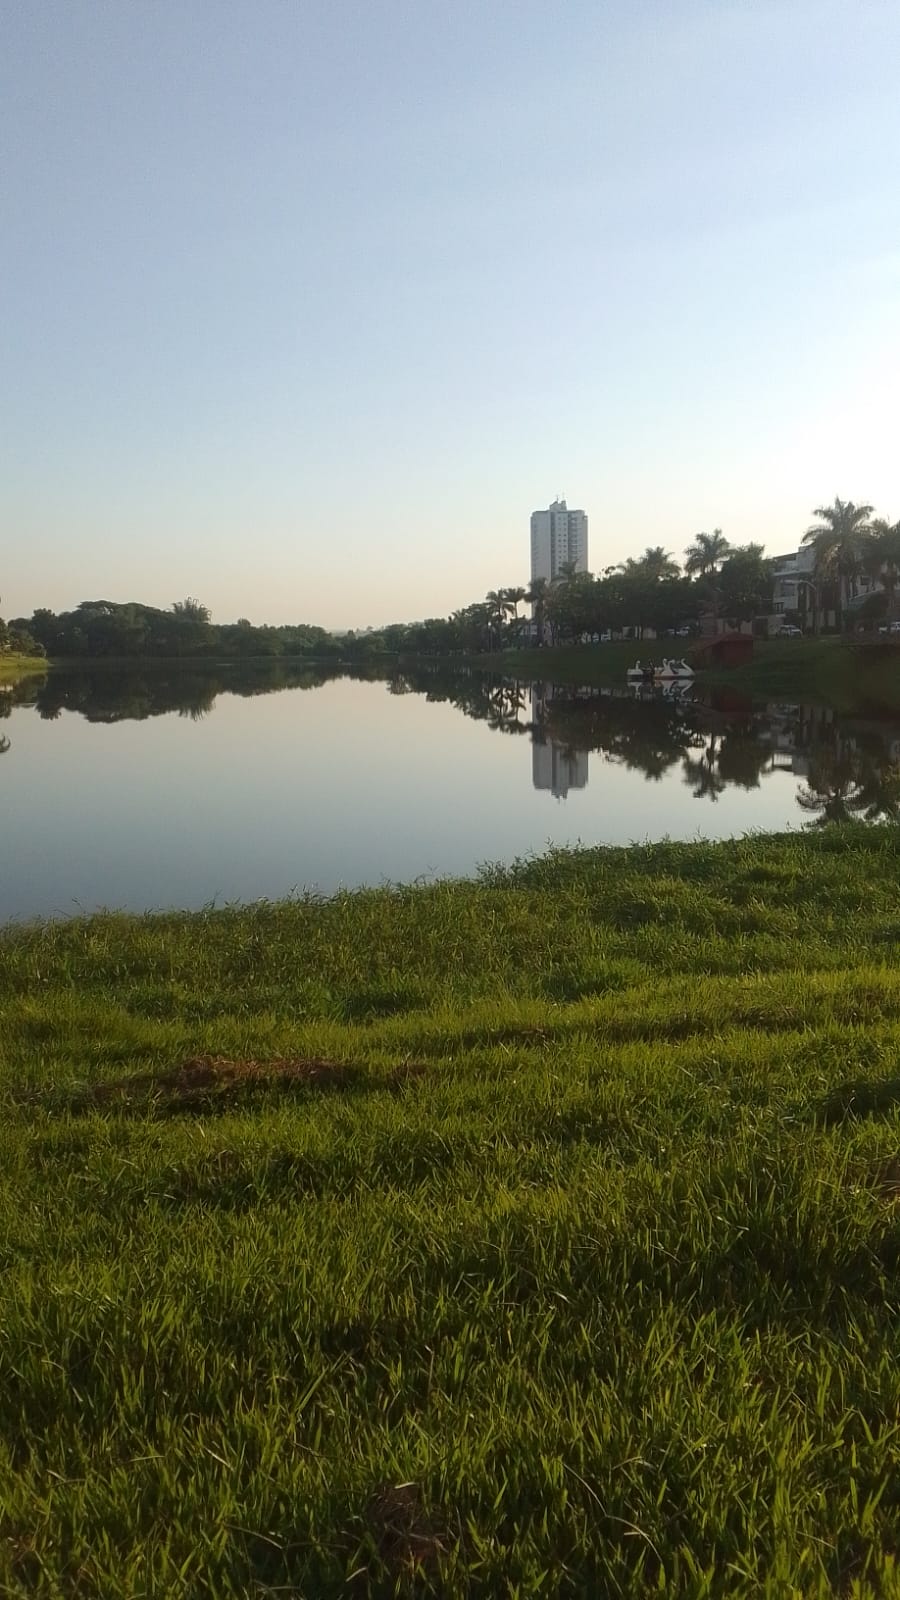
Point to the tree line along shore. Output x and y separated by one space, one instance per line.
847 544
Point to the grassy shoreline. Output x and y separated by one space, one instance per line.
782 669
530 1236
15 667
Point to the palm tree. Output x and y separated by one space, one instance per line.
882 558
497 600
536 597
569 573
706 554
703 558
840 542
514 599
656 564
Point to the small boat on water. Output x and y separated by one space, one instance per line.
665 671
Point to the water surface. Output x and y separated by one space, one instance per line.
211 786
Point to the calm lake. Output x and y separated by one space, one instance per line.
142 790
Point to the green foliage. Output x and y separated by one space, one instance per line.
848 544
600 1299
707 553
744 584
14 667
851 680
104 629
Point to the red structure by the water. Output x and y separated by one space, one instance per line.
726 650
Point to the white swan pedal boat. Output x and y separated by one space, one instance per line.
669 670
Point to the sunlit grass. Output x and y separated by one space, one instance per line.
576 1273
14 667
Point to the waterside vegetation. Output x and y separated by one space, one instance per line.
652 591
532 1236
15 666
852 675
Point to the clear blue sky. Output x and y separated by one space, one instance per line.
306 304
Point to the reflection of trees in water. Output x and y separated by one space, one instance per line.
4 744
126 695
649 736
728 743
734 757
702 774
500 702
851 777
850 769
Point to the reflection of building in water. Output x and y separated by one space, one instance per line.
555 768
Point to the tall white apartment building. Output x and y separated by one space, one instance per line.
558 535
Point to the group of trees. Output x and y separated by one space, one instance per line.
14 636
849 543
651 591
107 629
648 591
733 582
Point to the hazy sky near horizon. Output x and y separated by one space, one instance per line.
305 305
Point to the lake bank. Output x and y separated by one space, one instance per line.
846 676
13 668
597 1151
851 677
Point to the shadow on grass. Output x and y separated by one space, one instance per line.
855 1100
204 1085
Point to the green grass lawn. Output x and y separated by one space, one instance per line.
14 667
533 1236
782 669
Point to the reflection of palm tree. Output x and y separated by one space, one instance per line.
742 757
838 805
702 775
879 791
832 788
850 779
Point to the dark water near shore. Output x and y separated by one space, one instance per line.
139 790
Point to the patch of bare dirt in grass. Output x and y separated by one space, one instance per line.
405 1534
887 1180
857 1100
206 1083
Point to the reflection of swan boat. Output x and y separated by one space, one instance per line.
668 670
655 689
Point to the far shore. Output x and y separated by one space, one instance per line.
846 673
14 667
